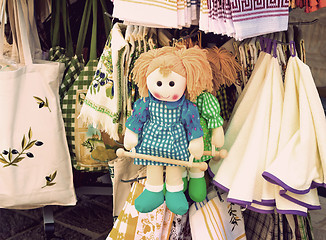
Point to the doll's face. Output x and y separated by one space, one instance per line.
168 88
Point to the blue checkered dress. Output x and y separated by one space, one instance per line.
164 128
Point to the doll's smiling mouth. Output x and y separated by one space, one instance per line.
166 97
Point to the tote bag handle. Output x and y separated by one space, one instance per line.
83 27
93 48
19 30
58 7
2 26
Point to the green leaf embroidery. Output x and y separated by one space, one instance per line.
10 155
14 156
49 179
39 100
16 160
24 142
42 103
54 175
31 144
30 133
2 160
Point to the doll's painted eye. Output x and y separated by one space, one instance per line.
171 84
159 83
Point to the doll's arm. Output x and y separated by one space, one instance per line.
135 122
194 130
130 139
196 147
218 137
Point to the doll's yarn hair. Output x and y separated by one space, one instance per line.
224 67
190 63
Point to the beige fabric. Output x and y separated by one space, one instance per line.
302 147
240 114
35 165
247 160
124 169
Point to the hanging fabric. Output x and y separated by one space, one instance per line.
103 103
134 225
159 13
215 218
302 139
87 148
272 226
35 164
73 64
259 123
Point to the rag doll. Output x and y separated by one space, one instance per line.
165 123
224 72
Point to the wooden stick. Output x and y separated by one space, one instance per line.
201 165
222 153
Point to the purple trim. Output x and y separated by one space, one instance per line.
315 185
261 13
292 49
259 210
294 212
272 179
296 201
210 173
269 45
238 19
263 202
262 43
238 202
225 189
275 49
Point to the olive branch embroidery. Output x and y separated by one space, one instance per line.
49 179
12 156
233 214
41 103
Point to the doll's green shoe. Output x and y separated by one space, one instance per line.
149 201
197 189
176 202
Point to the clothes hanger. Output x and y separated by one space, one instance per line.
253 50
144 35
242 58
165 38
152 38
139 37
279 47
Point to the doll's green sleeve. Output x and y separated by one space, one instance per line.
209 109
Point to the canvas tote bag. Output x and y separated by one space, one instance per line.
35 166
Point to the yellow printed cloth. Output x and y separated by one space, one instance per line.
167 224
125 226
217 219
152 225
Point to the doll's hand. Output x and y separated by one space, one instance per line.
218 137
130 139
196 147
